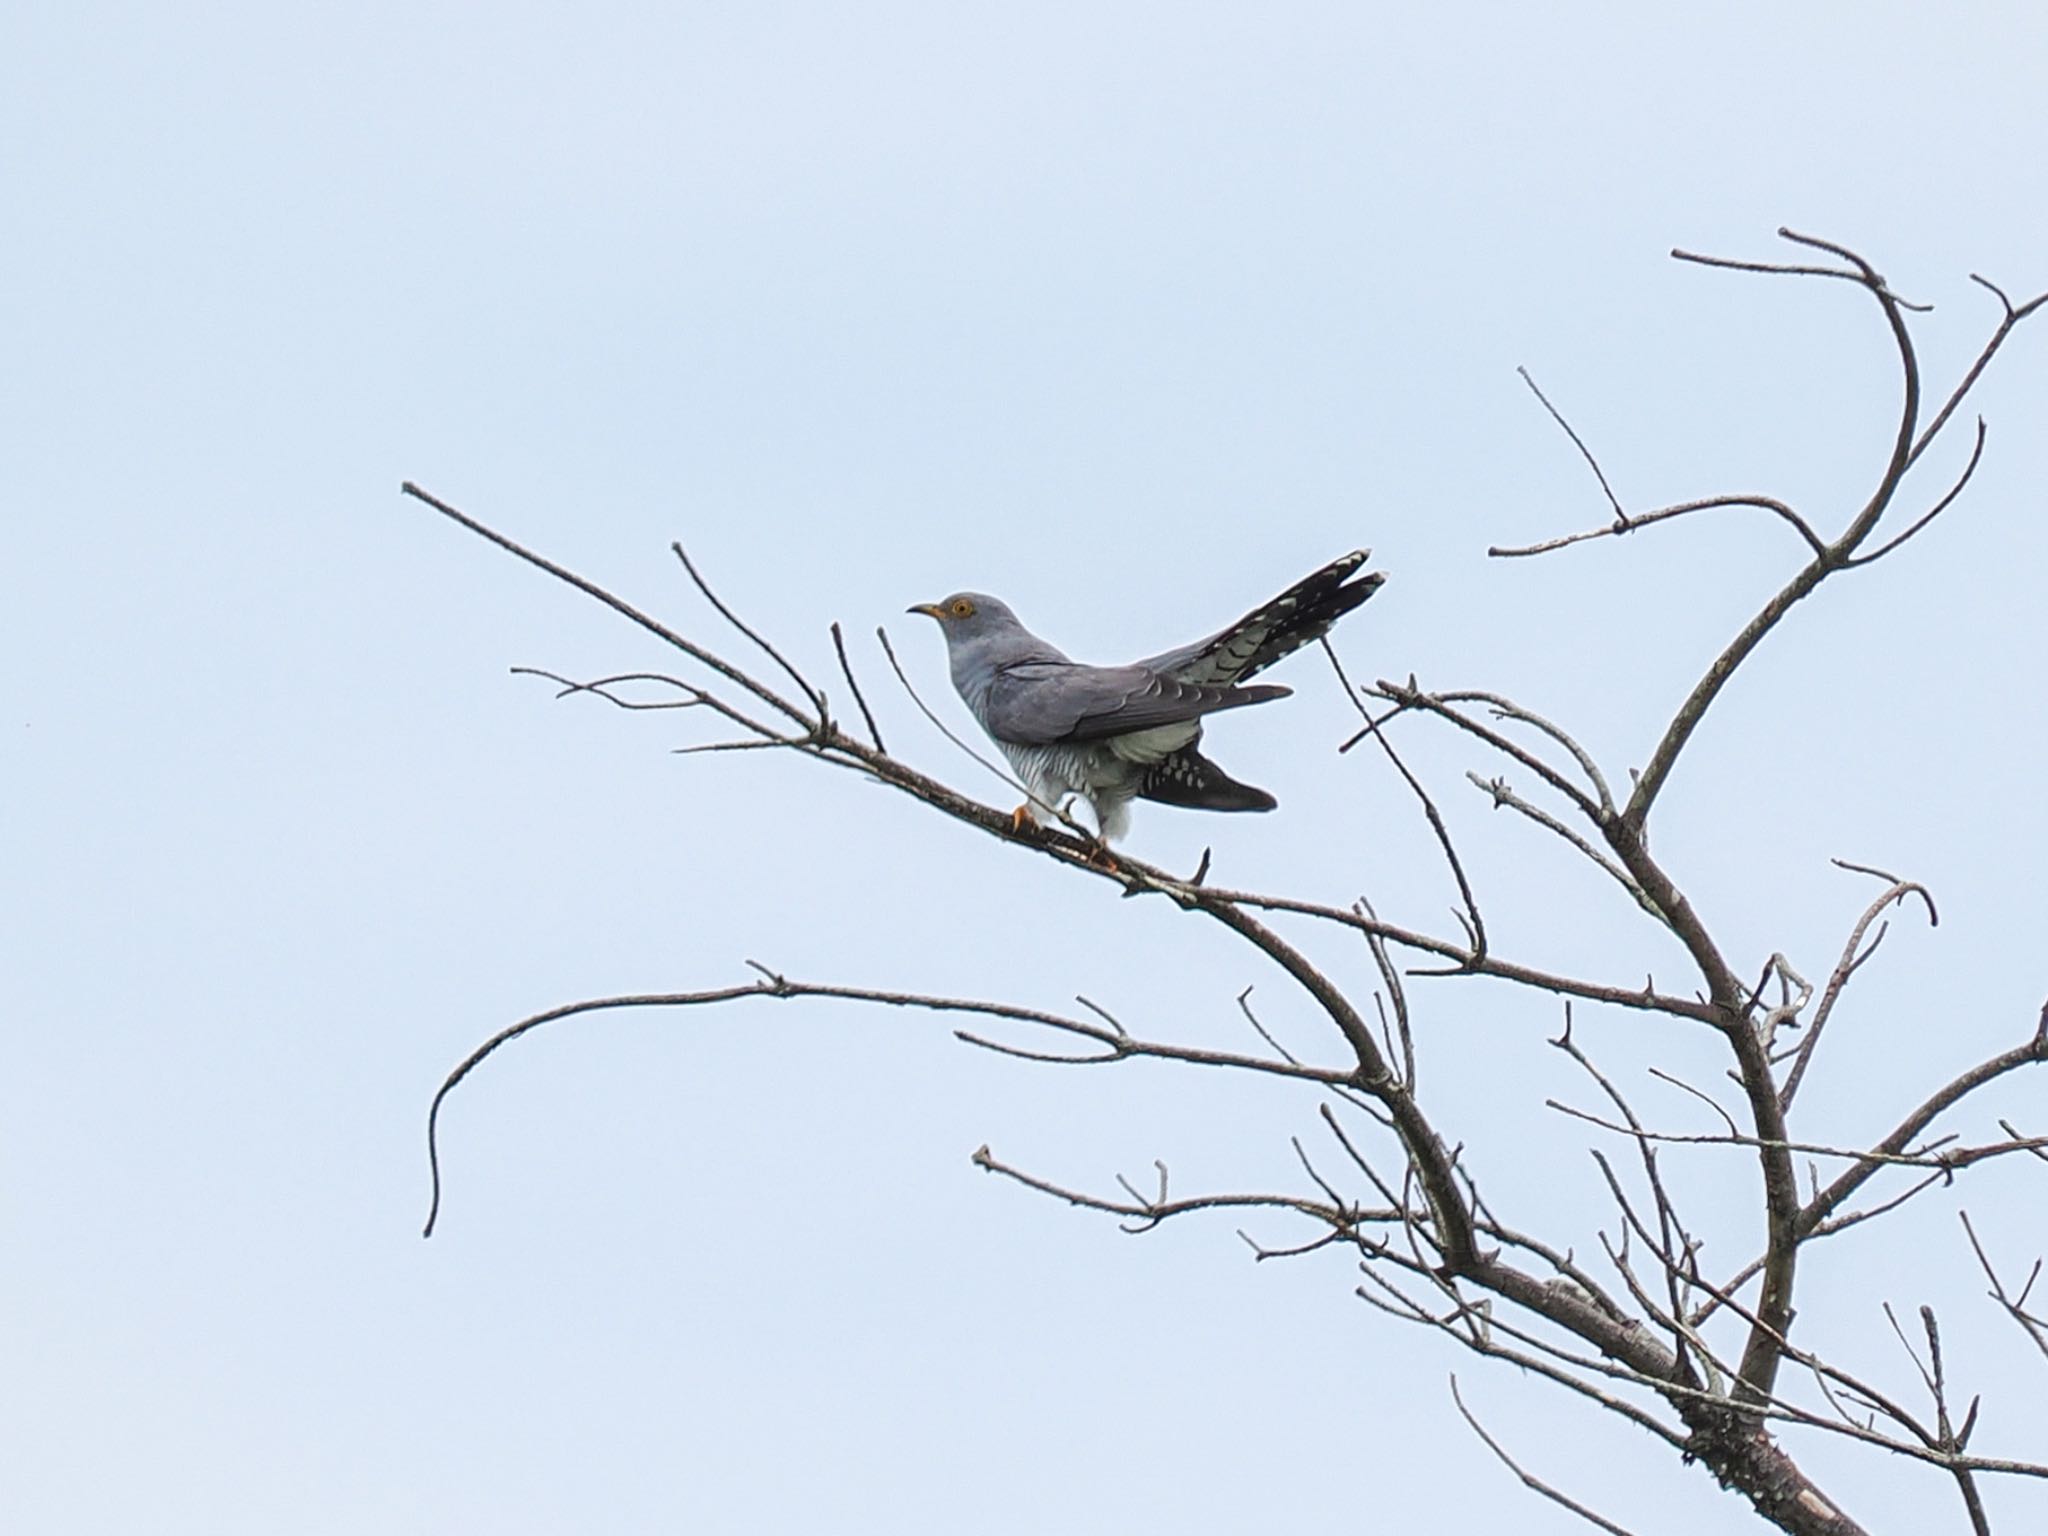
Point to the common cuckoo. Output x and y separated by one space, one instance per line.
1112 735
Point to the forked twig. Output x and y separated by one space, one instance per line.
1854 954
2015 1307
617 604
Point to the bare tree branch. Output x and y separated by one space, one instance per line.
1408 696
1946 1161
1497 790
1630 523
2013 316
1507 709
618 605
1116 1044
1623 522
1432 1251
2034 1051
694 698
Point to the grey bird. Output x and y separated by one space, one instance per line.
1112 735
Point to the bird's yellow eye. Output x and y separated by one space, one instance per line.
960 608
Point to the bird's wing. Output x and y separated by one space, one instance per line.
1043 703
1303 613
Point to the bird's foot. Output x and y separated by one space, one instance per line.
1022 819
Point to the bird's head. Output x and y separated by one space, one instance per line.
968 616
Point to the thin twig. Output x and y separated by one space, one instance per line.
1508 709
853 684
1621 518
1409 696
1530 1480
1475 925
2013 316
1152 1212
803 684
1865 277
1498 790
1948 1161
1825 1229
1390 977
1665 756
1244 1006
2035 1328
1630 524
1670 1245
1464 962
944 730
1116 1044
602 686
1707 1099
698 699
1941 506
1853 957
617 604
2033 1052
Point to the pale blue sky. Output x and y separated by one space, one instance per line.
1132 314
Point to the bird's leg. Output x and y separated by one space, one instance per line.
1112 819
1025 819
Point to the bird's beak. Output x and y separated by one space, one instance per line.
929 610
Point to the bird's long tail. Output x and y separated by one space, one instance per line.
1190 779
1306 610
